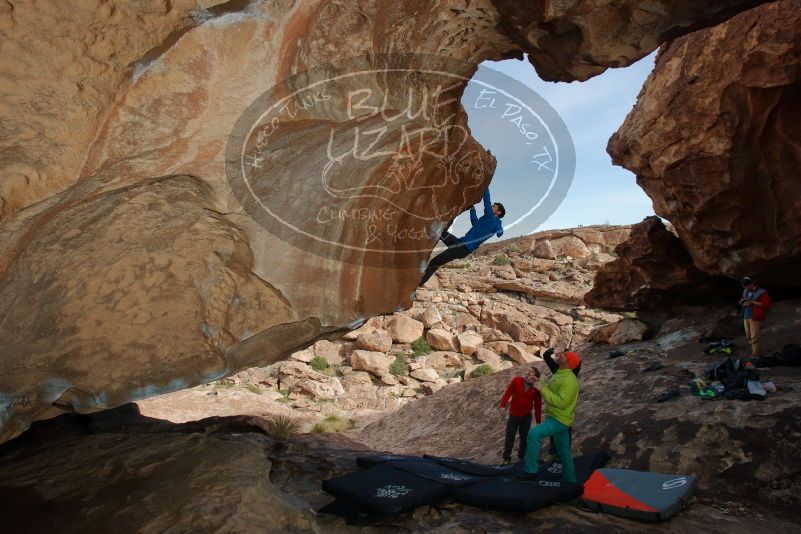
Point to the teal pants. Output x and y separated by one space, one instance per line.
549 427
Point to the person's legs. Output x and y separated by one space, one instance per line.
512 424
450 239
449 254
531 462
747 327
525 426
562 438
756 338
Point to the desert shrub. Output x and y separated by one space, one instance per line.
282 427
420 347
318 363
332 423
399 367
481 370
502 259
514 248
254 389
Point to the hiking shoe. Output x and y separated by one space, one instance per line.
529 477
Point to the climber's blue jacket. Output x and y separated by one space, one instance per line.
483 227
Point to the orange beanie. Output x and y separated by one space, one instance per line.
573 359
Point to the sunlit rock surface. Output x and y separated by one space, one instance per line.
131 265
715 142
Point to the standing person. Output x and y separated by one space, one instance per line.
756 303
481 230
561 394
524 396
554 367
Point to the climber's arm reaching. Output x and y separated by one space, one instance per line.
487 202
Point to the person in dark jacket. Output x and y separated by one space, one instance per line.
553 366
524 397
482 229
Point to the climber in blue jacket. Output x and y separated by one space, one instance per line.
483 228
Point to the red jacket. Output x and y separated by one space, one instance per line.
522 400
758 313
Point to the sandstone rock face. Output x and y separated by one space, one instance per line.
116 209
654 271
570 40
714 142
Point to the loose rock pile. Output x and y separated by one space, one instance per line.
498 309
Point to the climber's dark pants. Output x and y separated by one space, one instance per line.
455 251
516 425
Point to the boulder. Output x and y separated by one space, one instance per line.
425 374
441 360
534 265
520 353
431 317
543 250
504 272
329 351
389 379
628 330
429 388
375 340
373 323
357 379
654 271
602 333
570 245
404 329
306 355
327 390
408 381
376 363
441 339
469 342
490 358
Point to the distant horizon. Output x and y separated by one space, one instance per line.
601 193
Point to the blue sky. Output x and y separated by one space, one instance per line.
592 111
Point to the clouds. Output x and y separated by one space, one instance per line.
593 111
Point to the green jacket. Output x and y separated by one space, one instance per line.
561 394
